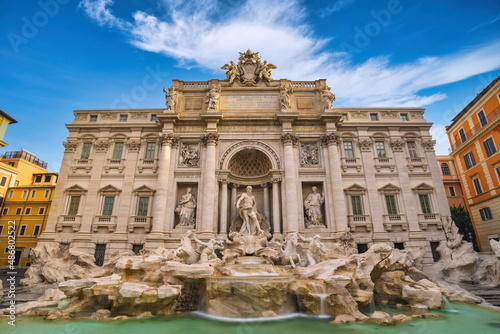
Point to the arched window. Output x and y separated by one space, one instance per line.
445 169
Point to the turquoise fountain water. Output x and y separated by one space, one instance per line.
459 319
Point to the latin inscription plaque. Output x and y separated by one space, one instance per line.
248 102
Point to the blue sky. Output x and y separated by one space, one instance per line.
60 55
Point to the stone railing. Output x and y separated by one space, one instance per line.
148 164
140 222
429 219
195 84
69 221
395 220
108 222
383 163
303 84
114 164
351 163
357 222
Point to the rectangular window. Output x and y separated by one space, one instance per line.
344 117
136 249
469 160
117 152
348 149
18 211
482 118
390 200
22 231
107 210
11 193
462 135
33 193
489 146
41 211
374 117
498 171
379 145
93 118
3 181
5 211
74 203
412 149
86 150
1 230
123 118
36 231
142 208
154 118
16 183
357 208
27 211
452 191
100 251
399 245
404 117
477 185
150 151
47 178
485 213
425 203
25 193
46 194
38 178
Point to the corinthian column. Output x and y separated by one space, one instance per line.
339 205
266 200
160 198
234 190
292 219
223 208
276 207
208 212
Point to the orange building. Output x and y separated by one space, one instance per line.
451 181
474 136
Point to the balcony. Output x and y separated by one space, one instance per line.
429 219
145 164
348 163
140 222
412 162
492 116
359 222
118 164
69 221
108 222
392 221
85 164
386 163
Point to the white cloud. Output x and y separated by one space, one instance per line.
208 34
339 5
438 133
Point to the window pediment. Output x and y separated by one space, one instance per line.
388 188
109 189
355 189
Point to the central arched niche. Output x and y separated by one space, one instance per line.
249 163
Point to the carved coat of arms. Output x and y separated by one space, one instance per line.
250 70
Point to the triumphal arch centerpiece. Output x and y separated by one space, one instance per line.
249 154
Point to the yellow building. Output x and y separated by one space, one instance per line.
28 206
26 164
5 120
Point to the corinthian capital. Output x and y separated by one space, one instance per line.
289 138
329 139
210 139
167 139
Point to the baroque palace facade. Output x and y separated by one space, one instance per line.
133 178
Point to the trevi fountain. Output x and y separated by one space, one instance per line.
251 260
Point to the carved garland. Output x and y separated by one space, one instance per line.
428 145
397 145
134 145
365 145
250 143
101 145
70 146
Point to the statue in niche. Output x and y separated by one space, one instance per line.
190 156
285 97
186 210
309 155
247 207
313 204
208 253
170 98
213 98
328 98
316 252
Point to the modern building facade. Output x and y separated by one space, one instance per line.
451 181
474 136
28 207
127 174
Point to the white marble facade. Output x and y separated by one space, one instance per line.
125 171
